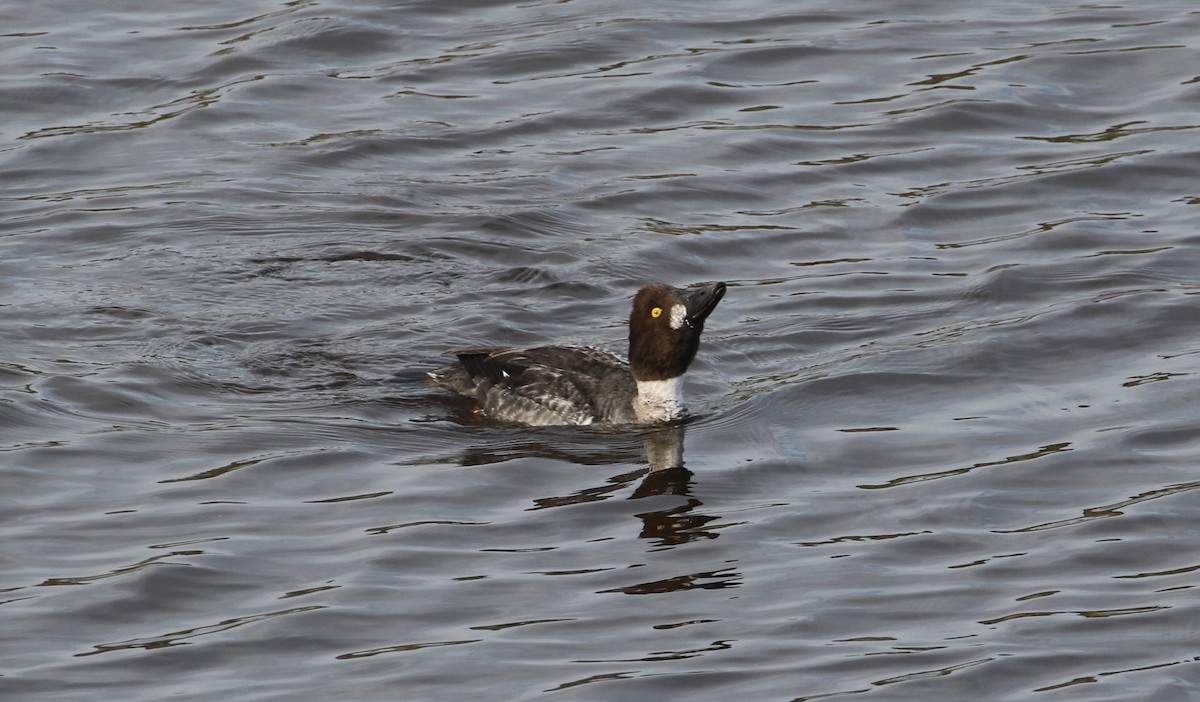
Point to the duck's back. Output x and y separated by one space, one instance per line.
545 385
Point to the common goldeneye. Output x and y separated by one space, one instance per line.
582 385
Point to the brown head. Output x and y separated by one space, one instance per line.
665 327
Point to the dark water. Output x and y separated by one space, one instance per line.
947 439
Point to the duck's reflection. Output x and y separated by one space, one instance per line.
661 449
672 521
664 446
665 475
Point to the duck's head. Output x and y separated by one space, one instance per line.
665 327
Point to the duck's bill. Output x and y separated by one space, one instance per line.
700 303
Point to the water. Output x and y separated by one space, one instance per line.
945 444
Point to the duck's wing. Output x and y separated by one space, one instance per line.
545 385
580 360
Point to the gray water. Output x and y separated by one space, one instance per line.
945 440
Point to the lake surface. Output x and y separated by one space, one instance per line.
945 443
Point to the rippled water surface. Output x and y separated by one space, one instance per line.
945 443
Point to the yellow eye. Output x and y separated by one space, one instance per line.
656 312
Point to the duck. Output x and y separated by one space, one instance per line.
584 385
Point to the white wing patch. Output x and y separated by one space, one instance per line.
678 314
